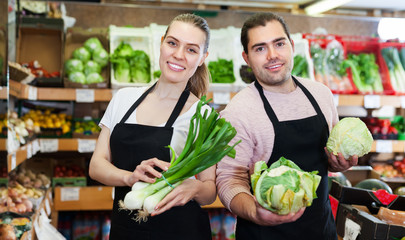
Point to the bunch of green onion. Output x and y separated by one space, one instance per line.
206 144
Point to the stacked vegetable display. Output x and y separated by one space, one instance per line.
221 71
206 144
130 65
395 60
87 62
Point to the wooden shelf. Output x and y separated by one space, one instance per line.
3 144
359 100
3 92
24 91
216 204
83 198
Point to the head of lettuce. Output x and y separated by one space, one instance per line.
284 188
350 136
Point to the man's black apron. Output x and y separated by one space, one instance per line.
131 144
303 142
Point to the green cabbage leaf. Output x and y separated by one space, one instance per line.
284 188
350 136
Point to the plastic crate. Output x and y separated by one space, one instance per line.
69 181
361 44
139 39
337 84
382 63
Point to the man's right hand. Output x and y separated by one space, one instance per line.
265 217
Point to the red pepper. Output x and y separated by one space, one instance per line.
385 197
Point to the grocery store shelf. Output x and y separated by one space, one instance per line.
216 204
3 144
24 91
363 100
83 198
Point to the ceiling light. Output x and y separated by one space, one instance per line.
323 6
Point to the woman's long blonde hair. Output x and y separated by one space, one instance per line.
199 82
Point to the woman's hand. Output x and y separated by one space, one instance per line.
179 196
339 163
146 171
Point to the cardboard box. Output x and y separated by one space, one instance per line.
352 220
41 39
75 38
357 174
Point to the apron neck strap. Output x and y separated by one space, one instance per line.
179 106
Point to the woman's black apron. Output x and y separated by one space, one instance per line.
131 144
303 142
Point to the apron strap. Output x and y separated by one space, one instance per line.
136 104
309 96
177 109
267 107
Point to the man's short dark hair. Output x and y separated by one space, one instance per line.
260 19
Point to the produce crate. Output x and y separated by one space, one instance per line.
75 38
357 174
54 133
361 44
383 64
232 50
352 217
3 182
89 130
337 84
139 39
69 181
42 39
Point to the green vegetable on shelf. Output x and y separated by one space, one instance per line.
300 68
395 68
221 71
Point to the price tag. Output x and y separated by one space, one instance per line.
221 97
402 101
86 145
383 146
85 95
372 101
336 99
13 161
47 207
29 151
35 147
49 145
70 194
32 93
352 230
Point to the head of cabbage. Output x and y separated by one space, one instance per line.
350 136
284 188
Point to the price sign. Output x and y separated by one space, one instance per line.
383 146
85 95
13 161
336 99
352 230
70 194
372 101
402 101
221 97
49 145
29 151
35 147
47 207
86 145
32 93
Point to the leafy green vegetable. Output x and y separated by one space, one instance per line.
221 71
73 65
350 136
283 187
92 44
140 67
91 67
300 68
77 77
94 78
121 69
396 71
81 54
156 74
124 50
100 56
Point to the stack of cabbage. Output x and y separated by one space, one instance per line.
350 136
284 188
87 62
